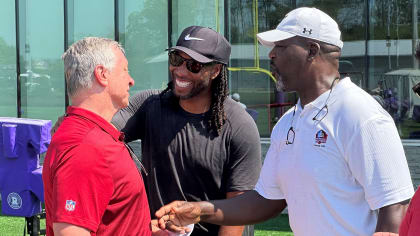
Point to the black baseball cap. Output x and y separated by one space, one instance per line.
203 45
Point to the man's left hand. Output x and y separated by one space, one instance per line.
156 231
384 234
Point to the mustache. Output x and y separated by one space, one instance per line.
273 68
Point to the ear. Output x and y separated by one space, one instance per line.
313 50
215 71
101 75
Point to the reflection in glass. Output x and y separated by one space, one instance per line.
256 89
144 35
379 40
90 18
8 90
41 45
196 12
393 69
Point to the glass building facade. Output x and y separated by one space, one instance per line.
379 41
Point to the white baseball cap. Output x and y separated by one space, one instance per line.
305 22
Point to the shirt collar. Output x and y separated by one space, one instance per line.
319 102
98 120
339 89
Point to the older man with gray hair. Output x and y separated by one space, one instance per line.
92 185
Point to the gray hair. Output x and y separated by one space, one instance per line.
81 59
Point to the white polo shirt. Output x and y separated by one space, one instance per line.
339 170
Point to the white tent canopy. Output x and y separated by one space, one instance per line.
402 81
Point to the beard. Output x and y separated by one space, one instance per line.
279 83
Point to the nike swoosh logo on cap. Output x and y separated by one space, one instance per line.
187 37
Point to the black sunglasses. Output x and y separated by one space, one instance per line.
416 89
192 65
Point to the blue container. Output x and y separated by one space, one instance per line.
21 143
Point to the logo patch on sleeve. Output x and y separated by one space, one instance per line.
70 205
321 138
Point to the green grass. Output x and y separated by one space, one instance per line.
278 226
13 226
408 126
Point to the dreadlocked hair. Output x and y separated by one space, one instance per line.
169 87
219 92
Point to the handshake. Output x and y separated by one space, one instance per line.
179 216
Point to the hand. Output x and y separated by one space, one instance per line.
156 231
57 124
384 234
178 214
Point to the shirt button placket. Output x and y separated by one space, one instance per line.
299 118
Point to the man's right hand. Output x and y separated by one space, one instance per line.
57 124
178 214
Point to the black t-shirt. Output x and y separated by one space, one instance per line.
186 161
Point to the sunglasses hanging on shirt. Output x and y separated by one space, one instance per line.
322 113
136 160
291 133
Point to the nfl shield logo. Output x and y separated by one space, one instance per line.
70 205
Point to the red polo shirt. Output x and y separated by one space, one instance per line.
410 226
90 179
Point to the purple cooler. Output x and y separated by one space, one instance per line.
21 143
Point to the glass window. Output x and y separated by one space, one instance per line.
379 43
144 34
8 84
351 18
250 76
41 45
90 18
393 70
196 12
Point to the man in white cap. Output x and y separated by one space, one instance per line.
336 159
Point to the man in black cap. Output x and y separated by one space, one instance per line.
197 143
335 159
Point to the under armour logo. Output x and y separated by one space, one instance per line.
307 31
